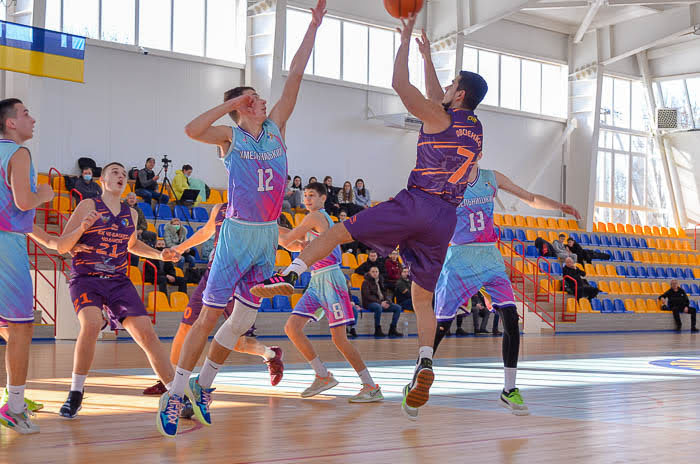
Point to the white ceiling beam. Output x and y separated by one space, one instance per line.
670 50
558 5
542 23
656 43
649 2
507 8
588 19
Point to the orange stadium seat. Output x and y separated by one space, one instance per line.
646 257
655 231
590 270
651 242
656 288
629 305
640 305
611 227
665 258
693 260
646 288
615 287
584 305
508 220
519 221
531 222
62 203
356 280
289 218
637 255
672 232
599 270
283 258
530 235
682 259
543 234
638 230
214 197
602 228
552 236
595 227
647 231
625 288
349 260
42 179
610 270
179 301
663 231
552 223
298 218
620 228
295 298
541 223
636 288
571 305
653 306
603 286
629 229
673 258
159 301
498 219
135 275
562 224
682 234
573 225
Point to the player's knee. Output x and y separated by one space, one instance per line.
339 337
509 315
208 318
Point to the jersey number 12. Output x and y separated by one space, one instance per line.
264 178
476 221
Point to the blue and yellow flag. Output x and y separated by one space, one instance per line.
41 52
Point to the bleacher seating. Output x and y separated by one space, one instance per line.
200 214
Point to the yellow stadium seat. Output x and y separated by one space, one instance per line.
541 223
692 260
283 258
542 234
646 257
356 280
638 230
562 224
665 286
505 251
584 305
573 224
629 229
686 246
651 243
655 258
615 287
663 231
653 305
298 218
682 259
590 270
595 227
611 227
59 184
508 220
289 217
668 244
62 204
552 236
674 258
672 232
610 270
531 222
602 228
640 305
519 221
571 305
151 228
179 301
214 197
655 231
603 286
552 223
224 196
629 305
555 286
646 288
656 288
682 234
349 260
361 258
334 218
135 275
498 219
178 272
665 258
620 228
636 288
637 256
159 301
696 272
677 245
599 270
42 179
625 288
295 298
530 235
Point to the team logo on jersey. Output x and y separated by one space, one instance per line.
104 218
689 364
125 222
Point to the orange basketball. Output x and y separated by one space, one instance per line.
402 8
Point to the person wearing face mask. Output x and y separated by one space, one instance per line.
86 186
181 180
166 272
174 234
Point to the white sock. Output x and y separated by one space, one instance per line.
77 384
509 378
318 366
269 354
425 352
366 377
15 398
297 266
208 373
182 376
168 386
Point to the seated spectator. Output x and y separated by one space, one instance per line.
560 249
374 300
207 248
581 254
87 187
312 179
295 193
372 260
585 290
346 199
479 310
180 181
393 267
362 197
676 300
402 290
331 206
174 234
166 273
544 248
142 231
147 184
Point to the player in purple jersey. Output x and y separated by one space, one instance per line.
255 156
420 219
99 280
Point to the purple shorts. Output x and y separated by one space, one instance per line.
420 223
117 296
194 308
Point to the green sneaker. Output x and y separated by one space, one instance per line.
32 406
409 412
514 401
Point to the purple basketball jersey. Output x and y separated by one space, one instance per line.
444 159
109 237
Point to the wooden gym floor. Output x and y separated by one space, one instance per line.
619 398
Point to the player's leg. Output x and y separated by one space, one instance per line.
13 412
370 392
32 406
141 330
273 356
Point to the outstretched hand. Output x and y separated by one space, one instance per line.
423 44
89 220
570 210
318 13
170 254
407 30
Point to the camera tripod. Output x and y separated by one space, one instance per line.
166 181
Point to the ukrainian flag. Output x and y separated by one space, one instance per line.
41 52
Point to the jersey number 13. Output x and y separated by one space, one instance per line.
476 221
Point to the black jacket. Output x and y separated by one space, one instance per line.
145 179
577 274
164 268
678 299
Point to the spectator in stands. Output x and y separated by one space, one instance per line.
560 249
293 195
147 183
87 187
312 179
581 254
174 234
479 310
331 206
676 300
402 290
544 247
373 299
207 248
180 181
346 199
362 197
342 215
166 273
372 260
585 290
142 231
392 267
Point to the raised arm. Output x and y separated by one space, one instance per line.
138 248
435 118
533 200
203 234
66 242
283 108
18 176
432 83
202 129
74 228
293 239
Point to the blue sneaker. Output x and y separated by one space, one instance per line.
201 399
169 409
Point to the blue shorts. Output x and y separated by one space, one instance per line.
467 268
244 256
16 289
328 290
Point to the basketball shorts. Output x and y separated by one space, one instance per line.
115 295
16 287
327 290
194 307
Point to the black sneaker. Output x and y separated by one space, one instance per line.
73 404
496 333
420 386
276 285
352 333
187 412
378 333
393 333
694 330
460 332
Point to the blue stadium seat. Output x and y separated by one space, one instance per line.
617 256
518 248
200 214
520 235
643 243
593 283
642 272
661 273
190 231
621 271
687 289
355 300
265 304
585 239
605 241
147 210
281 303
161 229
624 242
614 241
507 235
696 289
544 266
164 212
628 256
631 271
182 213
634 243
596 305
652 273
531 251
575 236
671 273
295 255
556 268
619 306
303 280
694 304
595 240
608 307
688 274
198 258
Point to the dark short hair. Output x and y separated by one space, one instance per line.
373 267
149 159
562 235
475 88
113 163
186 167
342 211
235 93
326 178
314 179
372 251
318 188
8 110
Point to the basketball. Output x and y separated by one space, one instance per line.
402 8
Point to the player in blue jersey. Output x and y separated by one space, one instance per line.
255 156
473 261
328 290
421 218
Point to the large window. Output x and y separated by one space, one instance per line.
624 104
213 28
519 84
350 51
682 95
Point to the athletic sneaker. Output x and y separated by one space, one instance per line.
73 404
320 384
514 401
411 413
20 423
275 366
187 409
276 285
157 389
420 387
33 406
169 408
201 399
368 394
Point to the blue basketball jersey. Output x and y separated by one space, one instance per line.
257 174
475 211
336 255
12 219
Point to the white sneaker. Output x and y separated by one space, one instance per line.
368 394
20 423
320 384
